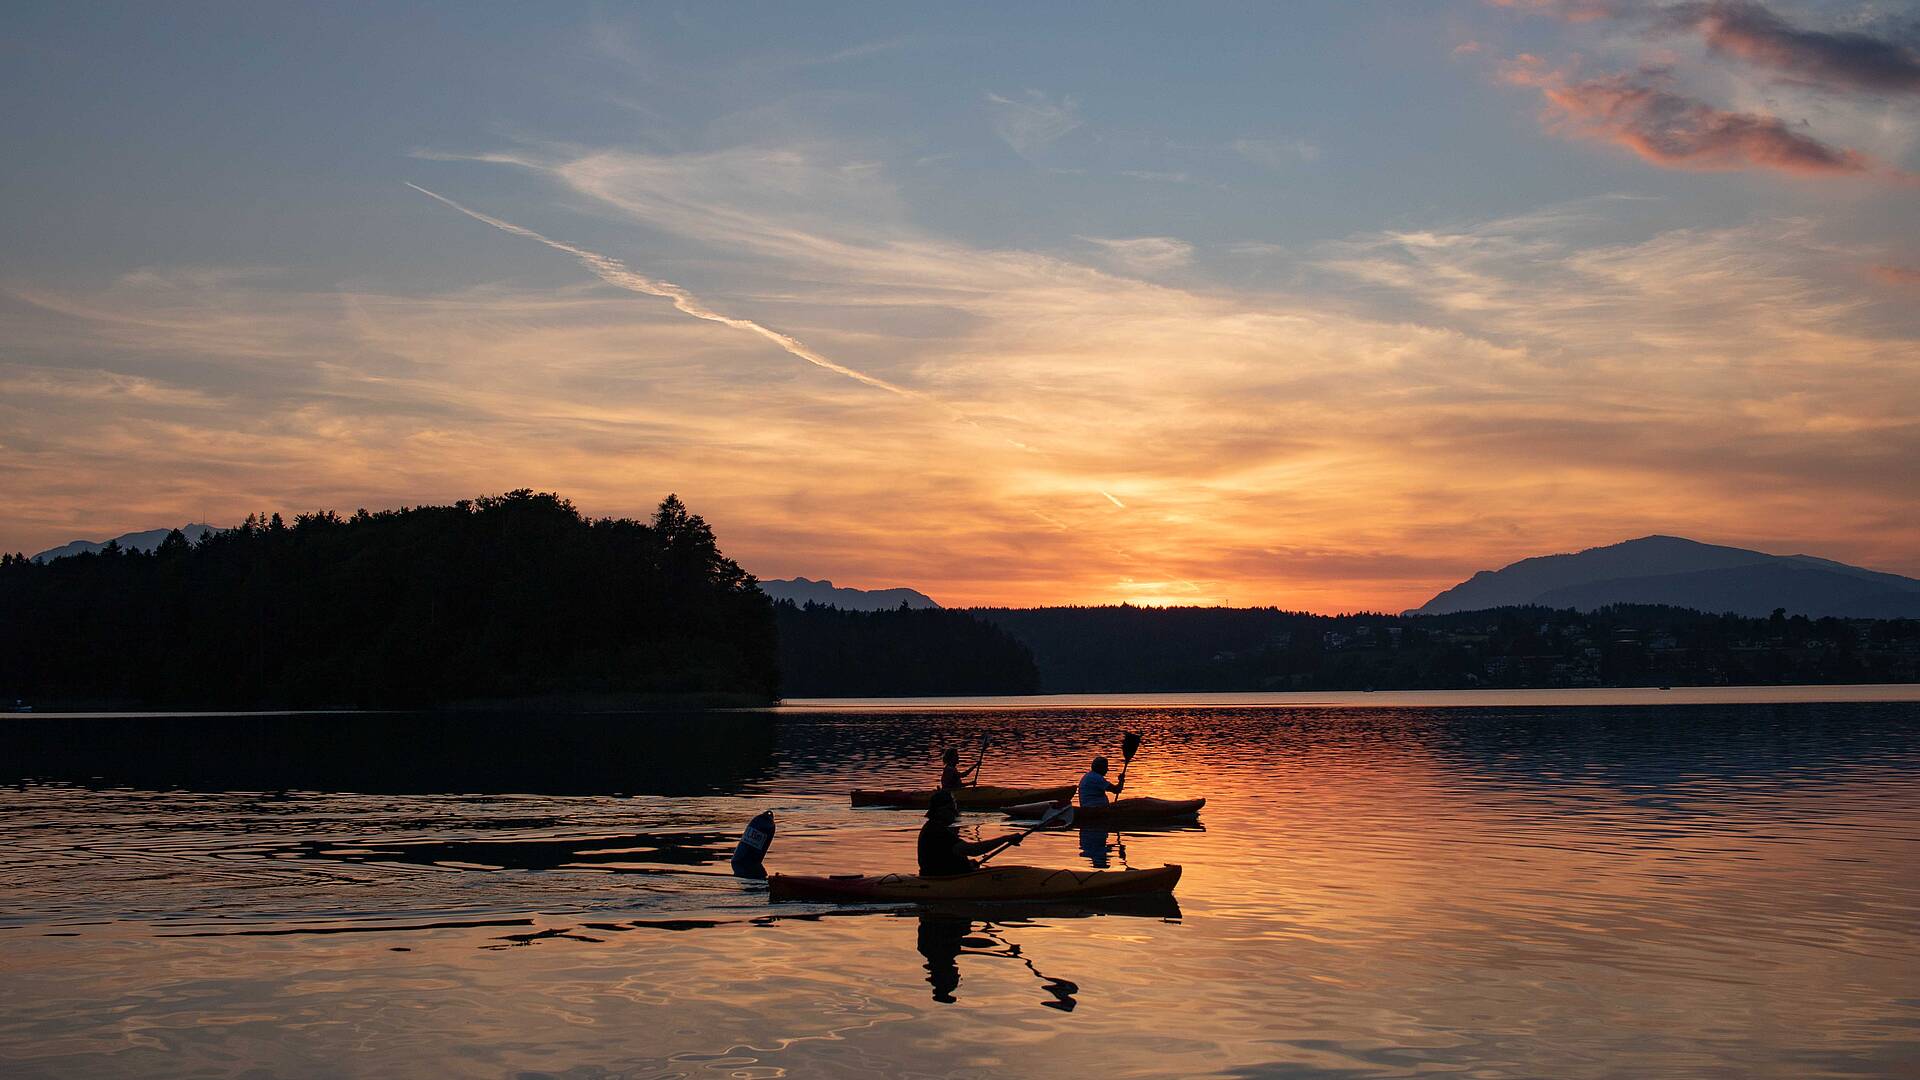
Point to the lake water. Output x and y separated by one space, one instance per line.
1545 890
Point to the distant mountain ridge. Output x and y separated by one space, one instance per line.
1686 573
803 591
133 541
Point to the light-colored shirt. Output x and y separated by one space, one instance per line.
1094 788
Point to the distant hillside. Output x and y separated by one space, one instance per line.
133 541
1685 573
803 591
833 652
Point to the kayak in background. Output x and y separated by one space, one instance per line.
1001 883
969 798
1122 812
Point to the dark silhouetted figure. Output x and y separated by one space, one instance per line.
942 852
1094 786
951 774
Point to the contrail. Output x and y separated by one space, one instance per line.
1113 500
620 275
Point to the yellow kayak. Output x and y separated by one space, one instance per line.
994 883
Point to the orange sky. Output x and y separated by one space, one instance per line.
1014 343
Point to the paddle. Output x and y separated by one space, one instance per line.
1061 814
1061 989
1129 746
977 759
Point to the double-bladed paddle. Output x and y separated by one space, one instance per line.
1061 815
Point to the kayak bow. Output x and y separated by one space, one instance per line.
1001 883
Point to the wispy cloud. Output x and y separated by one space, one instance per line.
1033 121
1897 275
1414 405
863 50
1145 254
618 274
1277 153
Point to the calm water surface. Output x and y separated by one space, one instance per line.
1682 890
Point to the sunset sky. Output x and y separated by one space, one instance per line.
1321 305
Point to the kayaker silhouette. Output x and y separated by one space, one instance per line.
942 852
951 774
1094 786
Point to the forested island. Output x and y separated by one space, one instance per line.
516 597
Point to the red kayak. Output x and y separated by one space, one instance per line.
969 798
1120 812
991 884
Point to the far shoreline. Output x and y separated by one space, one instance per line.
1627 696
1568 697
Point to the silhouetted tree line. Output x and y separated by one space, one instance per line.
827 652
1132 649
505 596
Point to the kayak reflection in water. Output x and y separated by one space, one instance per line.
943 938
942 852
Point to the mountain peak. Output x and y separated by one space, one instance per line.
805 591
1661 569
145 540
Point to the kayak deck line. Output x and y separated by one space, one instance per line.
998 884
1124 810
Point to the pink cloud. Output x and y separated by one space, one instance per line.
1639 112
1897 275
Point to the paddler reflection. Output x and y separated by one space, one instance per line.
1094 846
945 938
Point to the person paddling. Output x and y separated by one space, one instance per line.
952 776
942 852
1094 786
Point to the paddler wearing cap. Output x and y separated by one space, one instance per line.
942 852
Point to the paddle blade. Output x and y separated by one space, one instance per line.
1129 746
1060 815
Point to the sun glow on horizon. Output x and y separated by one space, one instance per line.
1018 347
